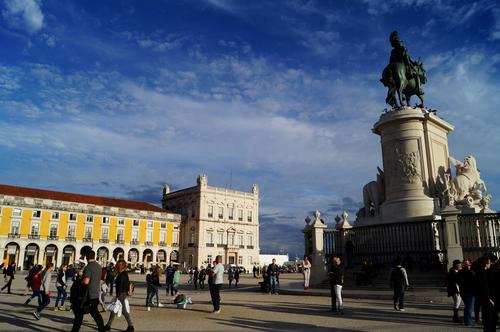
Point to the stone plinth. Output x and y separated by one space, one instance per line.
414 150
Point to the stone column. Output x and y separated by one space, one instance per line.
318 269
414 150
22 254
452 235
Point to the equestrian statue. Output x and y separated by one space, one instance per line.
403 75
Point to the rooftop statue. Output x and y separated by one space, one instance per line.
402 75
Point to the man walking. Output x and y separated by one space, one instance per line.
218 278
91 279
169 282
399 283
273 272
9 276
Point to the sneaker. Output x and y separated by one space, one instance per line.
56 309
62 309
36 315
26 302
149 308
216 311
401 309
160 304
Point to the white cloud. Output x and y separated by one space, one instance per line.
24 14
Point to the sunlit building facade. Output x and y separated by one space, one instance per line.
41 226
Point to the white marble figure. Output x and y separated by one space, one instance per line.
466 188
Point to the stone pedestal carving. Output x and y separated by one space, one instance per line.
414 151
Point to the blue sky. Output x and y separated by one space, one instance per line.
118 97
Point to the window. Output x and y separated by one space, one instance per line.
104 233
250 260
150 224
16 212
163 225
221 212
72 216
210 237
230 239
0 210
209 259
88 232
121 221
34 229
105 220
240 215
14 227
210 211
240 240
193 212
135 235
162 237
71 230
90 218
240 260
53 230
231 213
191 237
250 240
136 222
37 214
249 216
220 238
55 215
175 236
119 235
149 236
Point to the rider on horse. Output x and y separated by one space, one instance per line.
400 54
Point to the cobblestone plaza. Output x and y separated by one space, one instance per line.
242 309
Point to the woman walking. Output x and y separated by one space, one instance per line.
122 290
307 272
153 283
61 288
336 276
36 283
44 290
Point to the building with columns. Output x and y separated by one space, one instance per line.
41 226
217 221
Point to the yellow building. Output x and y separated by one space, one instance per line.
41 226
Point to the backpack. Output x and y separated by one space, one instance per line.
397 277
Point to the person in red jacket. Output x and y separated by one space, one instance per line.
36 283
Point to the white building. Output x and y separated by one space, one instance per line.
216 221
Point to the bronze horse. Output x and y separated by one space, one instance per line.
396 78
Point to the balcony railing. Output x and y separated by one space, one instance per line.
209 244
134 241
70 238
175 244
220 245
104 241
120 241
249 247
13 235
149 243
34 236
53 237
87 239
242 246
162 243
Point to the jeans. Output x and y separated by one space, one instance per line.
307 276
336 294
272 284
125 314
43 301
61 295
94 312
170 286
8 284
152 291
110 284
468 308
399 297
215 295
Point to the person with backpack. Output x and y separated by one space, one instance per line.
61 288
44 290
123 288
399 283
92 281
453 289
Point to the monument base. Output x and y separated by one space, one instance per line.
408 208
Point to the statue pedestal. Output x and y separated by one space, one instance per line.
414 151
